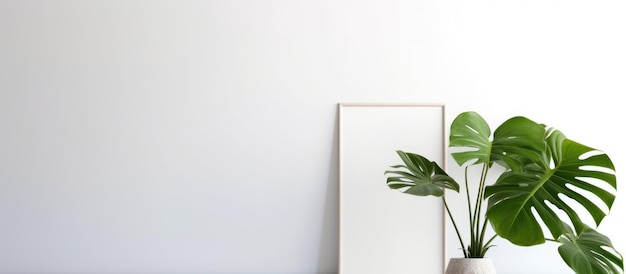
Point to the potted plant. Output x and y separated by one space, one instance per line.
537 166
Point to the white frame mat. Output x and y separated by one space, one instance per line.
383 230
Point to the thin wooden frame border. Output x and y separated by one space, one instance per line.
340 107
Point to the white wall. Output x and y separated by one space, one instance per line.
201 136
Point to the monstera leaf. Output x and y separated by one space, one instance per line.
567 170
470 132
516 139
517 142
419 176
590 252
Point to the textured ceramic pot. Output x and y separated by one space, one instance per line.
470 266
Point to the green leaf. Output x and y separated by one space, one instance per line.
471 133
419 176
515 142
590 252
516 194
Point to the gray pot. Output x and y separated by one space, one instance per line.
470 266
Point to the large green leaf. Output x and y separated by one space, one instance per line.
564 172
419 176
590 252
515 140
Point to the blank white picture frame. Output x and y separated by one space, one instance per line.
383 230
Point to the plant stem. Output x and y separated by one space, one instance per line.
455 226
479 197
487 245
469 209
477 232
482 238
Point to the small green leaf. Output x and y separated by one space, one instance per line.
590 252
419 176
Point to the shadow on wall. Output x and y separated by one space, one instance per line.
328 254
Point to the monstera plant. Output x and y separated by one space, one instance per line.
542 179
